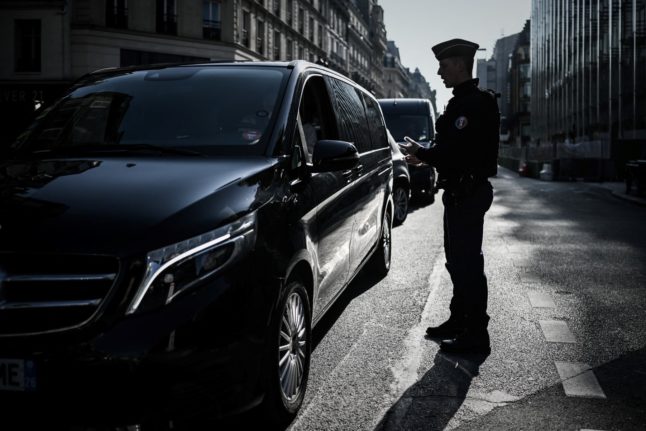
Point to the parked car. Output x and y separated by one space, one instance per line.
401 183
413 118
184 227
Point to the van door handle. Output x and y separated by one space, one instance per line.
358 170
347 175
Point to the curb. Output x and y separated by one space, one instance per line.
628 198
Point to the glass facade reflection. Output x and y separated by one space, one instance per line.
588 82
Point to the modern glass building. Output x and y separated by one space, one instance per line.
588 104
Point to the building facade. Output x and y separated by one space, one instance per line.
396 76
420 89
520 91
374 14
589 93
47 44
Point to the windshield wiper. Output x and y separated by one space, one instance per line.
119 148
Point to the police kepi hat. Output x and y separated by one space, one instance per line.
455 48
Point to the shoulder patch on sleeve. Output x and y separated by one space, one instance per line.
461 122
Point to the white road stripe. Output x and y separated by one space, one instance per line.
556 331
579 380
541 299
405 370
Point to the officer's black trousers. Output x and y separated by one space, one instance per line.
463 225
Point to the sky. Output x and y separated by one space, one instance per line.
417 25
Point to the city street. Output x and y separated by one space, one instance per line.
187 188
566 264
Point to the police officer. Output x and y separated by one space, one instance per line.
465 153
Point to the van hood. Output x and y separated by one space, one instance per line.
120 206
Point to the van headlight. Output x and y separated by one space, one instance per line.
173 269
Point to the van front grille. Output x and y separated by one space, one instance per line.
43 293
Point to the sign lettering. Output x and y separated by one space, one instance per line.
10 375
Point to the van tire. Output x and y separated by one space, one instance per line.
382 256
288 358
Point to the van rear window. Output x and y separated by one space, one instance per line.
418 127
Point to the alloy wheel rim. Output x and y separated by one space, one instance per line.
386 240
292 348
401 203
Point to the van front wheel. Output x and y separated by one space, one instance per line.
289 355
381 258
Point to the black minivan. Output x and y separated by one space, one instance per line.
183 227
414 118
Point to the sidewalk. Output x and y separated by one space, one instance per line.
618 190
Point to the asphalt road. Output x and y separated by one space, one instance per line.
566 264
568 256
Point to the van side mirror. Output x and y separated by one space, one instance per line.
332 155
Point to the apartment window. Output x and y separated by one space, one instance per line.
290 50
260 37
311 29
301 21
27 39
211 19
261 2
276 45
277 8
246 23
116 13
524 71
166 16
320 36
301 52
527 89
290 12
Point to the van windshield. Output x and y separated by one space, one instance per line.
418 127
209 110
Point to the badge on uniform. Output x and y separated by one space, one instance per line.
461 122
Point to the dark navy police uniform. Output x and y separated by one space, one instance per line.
465 155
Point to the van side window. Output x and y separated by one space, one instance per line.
375 124
315 117
350 114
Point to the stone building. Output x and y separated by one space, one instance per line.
396 76
47 44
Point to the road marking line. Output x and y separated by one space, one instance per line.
556 331
405 370
540 299
579 380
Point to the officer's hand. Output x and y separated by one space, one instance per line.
411 147
412 160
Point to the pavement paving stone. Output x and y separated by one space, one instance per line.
579 380
556 331
541 299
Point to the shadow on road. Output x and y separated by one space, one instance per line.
623 381
431 402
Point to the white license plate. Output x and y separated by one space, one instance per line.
17 375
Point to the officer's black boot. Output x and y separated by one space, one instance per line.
449 329
456 323
468 342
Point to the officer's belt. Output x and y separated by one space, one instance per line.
450 183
